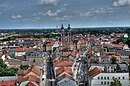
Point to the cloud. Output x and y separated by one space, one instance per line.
54 2
121 2
64 18
85 14
17 16
0 13
65 4
50 13
93 11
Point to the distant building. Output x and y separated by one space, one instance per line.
20 52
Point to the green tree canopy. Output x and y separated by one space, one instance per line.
113 60
116 82
6 71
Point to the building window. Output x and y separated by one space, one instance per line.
112 77
101 77
108 83
118 77
104 77
98 77
123 77
101 83
104 83
107 77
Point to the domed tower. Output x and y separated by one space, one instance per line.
62 34
69 33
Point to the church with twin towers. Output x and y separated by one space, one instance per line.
65 34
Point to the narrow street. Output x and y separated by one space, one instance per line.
50 75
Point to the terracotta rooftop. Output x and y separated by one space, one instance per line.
63 63
36 70
94 72
33 78
8 83
65 76
19 50
28 78
1 55
23 72
21 79
31 84
63 69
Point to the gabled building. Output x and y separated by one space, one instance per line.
63 72
100 77
20 52
32 75
82 43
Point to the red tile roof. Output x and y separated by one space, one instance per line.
31 84
23 72
63 69
29 78
34 78
19 50
8 83
94 72
36 70
63 63
1 55
65 76
21 79
22 38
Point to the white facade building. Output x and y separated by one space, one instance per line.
19 53
105 79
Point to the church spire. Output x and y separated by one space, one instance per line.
62 34
69 33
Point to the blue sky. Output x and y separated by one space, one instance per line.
52 13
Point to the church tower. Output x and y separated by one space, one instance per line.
69 33
62 34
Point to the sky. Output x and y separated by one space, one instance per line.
53 13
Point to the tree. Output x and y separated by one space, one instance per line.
113 60
116 82
25 67
2 65
6 71
128 43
